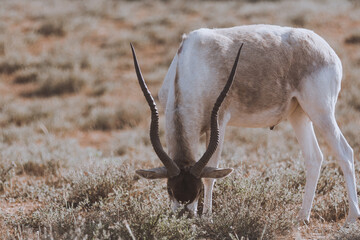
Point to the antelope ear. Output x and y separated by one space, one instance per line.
210 172
153 173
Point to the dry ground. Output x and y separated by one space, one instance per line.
74 124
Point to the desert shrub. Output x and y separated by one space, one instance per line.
352 134
9 65
98 90
2 48
26 76
65 59
125 115
102 119
92 187
40 162
12 134
52 28
353 98
156 77
120 150
45 168
67 56
126 141
256 1
353 39
130 115
36 148
115 48
5 175
57 82
299 21
20 115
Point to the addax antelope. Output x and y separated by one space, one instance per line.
283 73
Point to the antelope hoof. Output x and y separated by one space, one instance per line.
303 217
351 218
207 218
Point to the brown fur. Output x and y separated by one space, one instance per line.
269 71
183 156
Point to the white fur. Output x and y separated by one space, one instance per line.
192 207
204 59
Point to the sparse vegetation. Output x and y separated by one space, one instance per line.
74 124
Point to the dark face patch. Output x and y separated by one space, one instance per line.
185 188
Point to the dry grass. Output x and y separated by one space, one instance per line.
74 124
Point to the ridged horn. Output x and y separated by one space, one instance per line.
172 168
214 128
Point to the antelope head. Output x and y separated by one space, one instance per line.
184 184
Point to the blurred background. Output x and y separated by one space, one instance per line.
70 103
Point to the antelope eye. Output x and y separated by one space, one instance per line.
170 192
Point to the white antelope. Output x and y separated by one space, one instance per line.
284 73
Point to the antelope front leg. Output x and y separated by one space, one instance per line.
208 188
214 161
209 183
